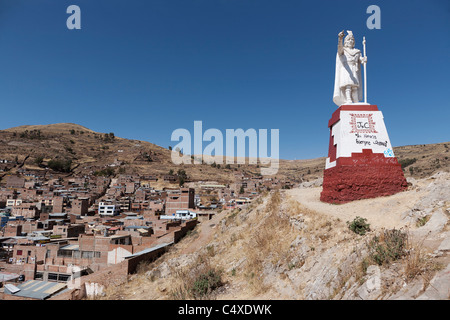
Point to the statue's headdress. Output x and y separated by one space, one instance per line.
349 35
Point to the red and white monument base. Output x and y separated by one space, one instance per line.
361 163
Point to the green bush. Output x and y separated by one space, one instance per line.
406 162
359 225
205 283
39 160
391 245
105 172
422 221
60 165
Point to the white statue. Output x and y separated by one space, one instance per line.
347 81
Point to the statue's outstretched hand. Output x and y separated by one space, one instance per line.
341 34
363 59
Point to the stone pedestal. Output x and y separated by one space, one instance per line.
361 163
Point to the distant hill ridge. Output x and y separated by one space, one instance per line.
92 151
56 127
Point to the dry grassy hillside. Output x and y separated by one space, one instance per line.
34 145
289 245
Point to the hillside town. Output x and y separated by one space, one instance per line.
59 235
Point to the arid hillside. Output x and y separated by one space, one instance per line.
33 146
289 245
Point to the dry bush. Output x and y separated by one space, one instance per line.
393 245
418 263
197 280
388 246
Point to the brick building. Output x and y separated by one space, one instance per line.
180 200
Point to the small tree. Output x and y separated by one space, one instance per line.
359 225
39 160
60 165
182 176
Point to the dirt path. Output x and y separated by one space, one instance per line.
382 212
205 232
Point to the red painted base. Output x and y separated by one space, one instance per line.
362 176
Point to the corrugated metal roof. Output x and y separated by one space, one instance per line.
149 250
36 289
12 288
70 247
8 276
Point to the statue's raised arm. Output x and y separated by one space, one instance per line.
340 45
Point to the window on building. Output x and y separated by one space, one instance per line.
19 252
52 277
87 254
64 253
64 277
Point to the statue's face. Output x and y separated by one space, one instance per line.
350 42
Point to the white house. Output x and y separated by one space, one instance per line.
105 209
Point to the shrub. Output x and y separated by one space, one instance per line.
109 137
197 280
105 172
60 165
359 225
39 160
182 177
406 162
205 283
422 221
391 245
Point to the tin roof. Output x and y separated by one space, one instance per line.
70 247
37 289
8 276
149 250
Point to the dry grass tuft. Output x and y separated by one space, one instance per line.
197 280
419 263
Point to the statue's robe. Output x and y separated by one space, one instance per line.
348 73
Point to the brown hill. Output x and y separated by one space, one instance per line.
33 146
54 128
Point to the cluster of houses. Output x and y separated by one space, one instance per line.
50 225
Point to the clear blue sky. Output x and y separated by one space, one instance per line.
142 69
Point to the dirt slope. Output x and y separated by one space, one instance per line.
289 245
